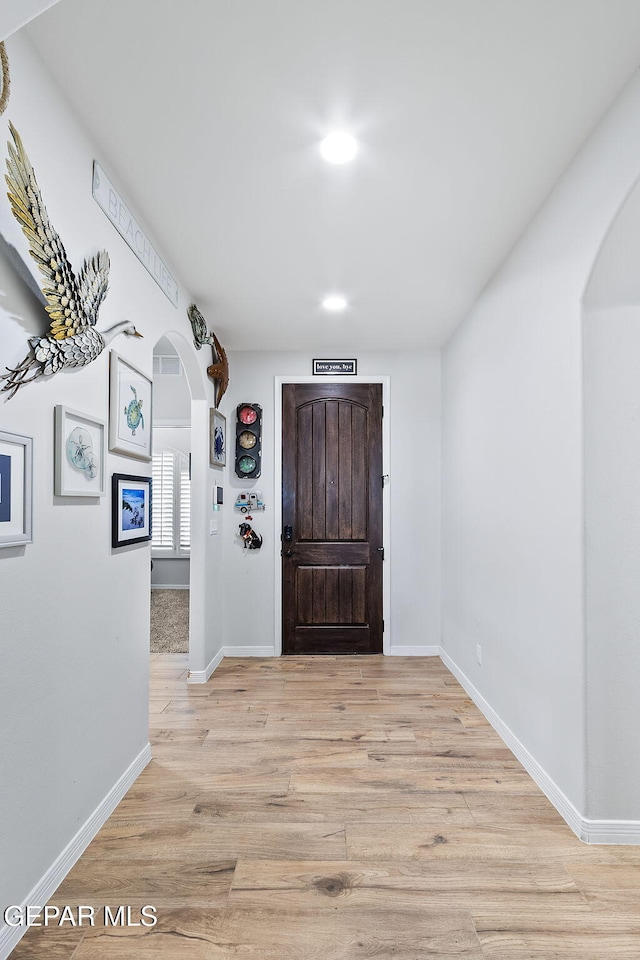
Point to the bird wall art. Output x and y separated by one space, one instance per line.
71 302
5 87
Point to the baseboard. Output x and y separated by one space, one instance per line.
424 650
169 586
590 831
249 651
611 831
48 884
563 805
201 676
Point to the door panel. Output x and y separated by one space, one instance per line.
332 499
330 595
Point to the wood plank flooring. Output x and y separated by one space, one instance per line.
339 809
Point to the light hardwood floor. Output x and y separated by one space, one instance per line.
339 809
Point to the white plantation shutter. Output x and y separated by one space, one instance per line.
162 539
185 506
171 529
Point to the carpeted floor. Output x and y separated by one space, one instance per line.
169 621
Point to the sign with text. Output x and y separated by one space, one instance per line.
110 201
335 368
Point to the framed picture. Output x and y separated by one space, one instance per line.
80 446
217 438
16 482
130 510
130 409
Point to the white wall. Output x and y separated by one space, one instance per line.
612 517
612 474
615 280
170 438
414 555
172 400
513 477
170 572
75 614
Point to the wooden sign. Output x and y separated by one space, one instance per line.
335 368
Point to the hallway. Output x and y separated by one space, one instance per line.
302 808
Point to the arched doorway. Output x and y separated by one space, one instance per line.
171 472
189 415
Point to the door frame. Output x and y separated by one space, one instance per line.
386 498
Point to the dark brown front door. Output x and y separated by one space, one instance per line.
332 518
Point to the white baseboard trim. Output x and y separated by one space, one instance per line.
48 884
611 831
249 651
201 676
406 650
590 831
169 586
550 789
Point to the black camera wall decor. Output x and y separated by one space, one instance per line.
248 440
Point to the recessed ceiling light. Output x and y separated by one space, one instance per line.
334 303
338 147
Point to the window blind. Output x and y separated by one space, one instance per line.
171 531
163 475
185 506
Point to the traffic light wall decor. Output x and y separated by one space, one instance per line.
248 440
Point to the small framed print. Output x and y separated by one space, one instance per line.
80 445
217 438
130 510
16 482
130 409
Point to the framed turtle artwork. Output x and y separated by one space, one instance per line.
130 409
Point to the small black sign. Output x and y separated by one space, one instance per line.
335 368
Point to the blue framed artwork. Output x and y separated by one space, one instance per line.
130 509
217 438
16 479
5 488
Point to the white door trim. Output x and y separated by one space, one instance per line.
386 498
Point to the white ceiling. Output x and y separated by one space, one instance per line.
15 13
208 114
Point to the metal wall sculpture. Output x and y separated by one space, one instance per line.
71 302
219 369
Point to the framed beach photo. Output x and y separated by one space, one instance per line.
16 483
130 409
130 509
217 438
79 454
